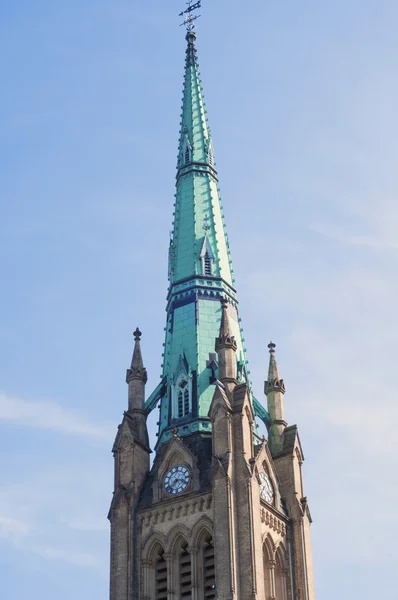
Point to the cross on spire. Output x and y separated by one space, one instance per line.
189 15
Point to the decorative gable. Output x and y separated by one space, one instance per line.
176 454
207 257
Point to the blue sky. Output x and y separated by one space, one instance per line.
302 100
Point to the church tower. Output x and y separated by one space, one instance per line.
221 514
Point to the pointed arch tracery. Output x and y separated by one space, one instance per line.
182 390
178 532
202 527
153 540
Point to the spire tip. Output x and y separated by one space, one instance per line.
137 335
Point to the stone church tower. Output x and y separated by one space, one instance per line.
221 513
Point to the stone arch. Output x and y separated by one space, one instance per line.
202 526
268 547
154 567
281 555
178 531
182 572
150 544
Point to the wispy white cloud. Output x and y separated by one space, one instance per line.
372 242
48 415
86 523
10 527
55 524
81 559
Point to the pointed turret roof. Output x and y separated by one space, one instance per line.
137 369
274 381
225 338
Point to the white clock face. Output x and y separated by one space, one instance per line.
177 479
266 491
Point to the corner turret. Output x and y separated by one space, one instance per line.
136 376
226 347
274 389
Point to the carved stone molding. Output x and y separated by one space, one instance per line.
191 506
273 522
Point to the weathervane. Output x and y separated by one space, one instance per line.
189 16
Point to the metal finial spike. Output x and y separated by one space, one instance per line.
137 335
190 18
272 347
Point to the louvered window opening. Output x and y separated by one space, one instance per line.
180 404
187 155
186 401
185 575
209 571
161 579
207 264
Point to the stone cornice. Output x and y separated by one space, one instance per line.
273 522
174 509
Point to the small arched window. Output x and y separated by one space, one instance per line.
207 265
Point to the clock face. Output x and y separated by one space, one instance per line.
177 479
266 491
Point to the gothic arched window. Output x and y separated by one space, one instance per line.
183 399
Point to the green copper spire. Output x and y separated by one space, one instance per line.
198 236
200 275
